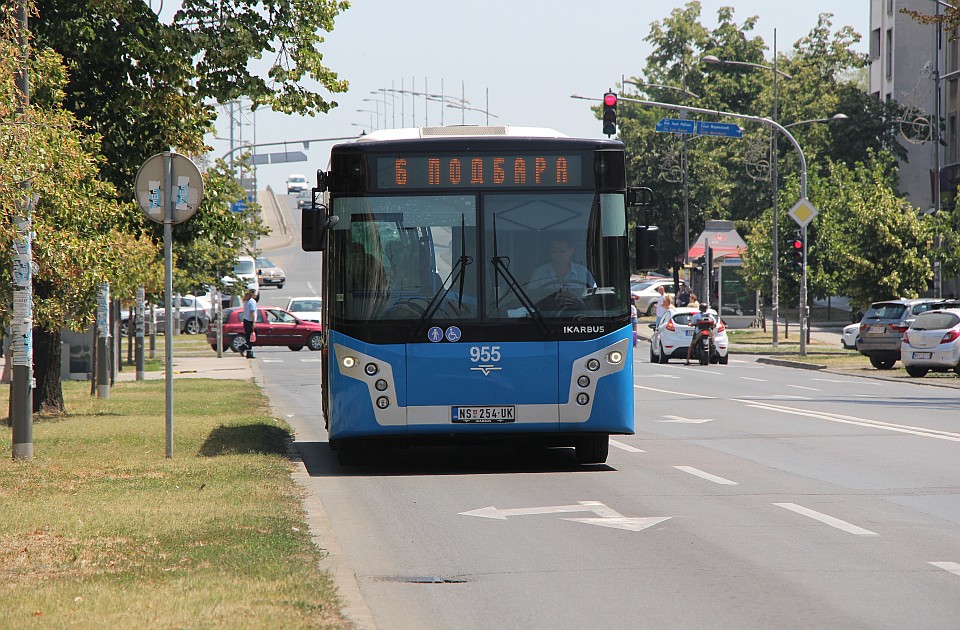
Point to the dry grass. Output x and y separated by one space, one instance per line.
101 530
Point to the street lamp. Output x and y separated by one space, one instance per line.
684 169
775 269
833 118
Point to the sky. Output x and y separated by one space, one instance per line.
518 60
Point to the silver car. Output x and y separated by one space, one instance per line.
932 343
883 326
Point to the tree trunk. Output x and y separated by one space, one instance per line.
48 396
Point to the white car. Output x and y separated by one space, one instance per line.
848 338
244 272
306 308
646 295
932 343
671 338
297 183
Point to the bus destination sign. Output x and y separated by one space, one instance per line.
514 171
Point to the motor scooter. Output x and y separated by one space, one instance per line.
704 348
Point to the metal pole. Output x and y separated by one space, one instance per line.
938 34
774 176
167 192
21 387
686 203
138 332
804 320
104 356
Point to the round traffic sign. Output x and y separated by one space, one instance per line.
185 186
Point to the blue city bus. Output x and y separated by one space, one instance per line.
476 285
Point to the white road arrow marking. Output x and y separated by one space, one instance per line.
624 522
608 517
682 420
952 567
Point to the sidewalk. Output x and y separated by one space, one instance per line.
231 366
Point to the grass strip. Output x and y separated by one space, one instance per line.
101 530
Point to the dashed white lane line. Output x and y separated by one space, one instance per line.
827 519
626 447
271 360
952 567
812 389
750 378
705 475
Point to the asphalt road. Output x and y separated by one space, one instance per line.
751 496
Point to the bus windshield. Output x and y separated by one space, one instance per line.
481 257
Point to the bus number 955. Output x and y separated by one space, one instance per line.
484 354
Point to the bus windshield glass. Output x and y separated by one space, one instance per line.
548 256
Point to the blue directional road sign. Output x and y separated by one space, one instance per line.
726 130
676 125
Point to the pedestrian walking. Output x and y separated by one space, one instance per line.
249 318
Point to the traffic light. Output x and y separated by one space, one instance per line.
796 254
610 113
648 247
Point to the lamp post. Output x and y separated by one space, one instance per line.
684 166
775 269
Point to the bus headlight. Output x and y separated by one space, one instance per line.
371 369
582 398
383 402
381 385
615 357
349 362
583 381
593 365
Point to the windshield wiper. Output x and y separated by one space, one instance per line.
501 266
457 273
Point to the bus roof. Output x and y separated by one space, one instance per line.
449 131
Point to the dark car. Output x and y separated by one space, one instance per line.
274 327
883 325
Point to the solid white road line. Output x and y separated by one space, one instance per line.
625 447
952 567
706 475
827 520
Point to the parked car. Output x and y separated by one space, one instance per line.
297 183
195 316
932 343
307 308
883 325
848 338
274 327
671 337
269 274
645 292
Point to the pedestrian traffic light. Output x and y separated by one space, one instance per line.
610 113
796 254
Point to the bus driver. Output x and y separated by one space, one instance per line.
562 273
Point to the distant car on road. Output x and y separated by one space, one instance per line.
304 199
269 274
297 183
307 308
671 338
932 343
883 325
274 327
645 292
848 338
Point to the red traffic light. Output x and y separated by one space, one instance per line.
610 99
796 244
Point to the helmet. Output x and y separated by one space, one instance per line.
703 307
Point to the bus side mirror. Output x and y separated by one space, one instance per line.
315 226
648 247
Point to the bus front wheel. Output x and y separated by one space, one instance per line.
592 449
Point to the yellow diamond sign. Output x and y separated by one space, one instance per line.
803 212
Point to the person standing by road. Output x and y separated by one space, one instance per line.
663 302
683 298
249 318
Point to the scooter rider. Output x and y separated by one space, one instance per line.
703 316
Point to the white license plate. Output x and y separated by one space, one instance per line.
922 355
483 414
877 328
690 333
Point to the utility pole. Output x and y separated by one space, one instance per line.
21 389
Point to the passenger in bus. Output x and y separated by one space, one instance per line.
365 271
562 274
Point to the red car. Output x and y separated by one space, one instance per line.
274 327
